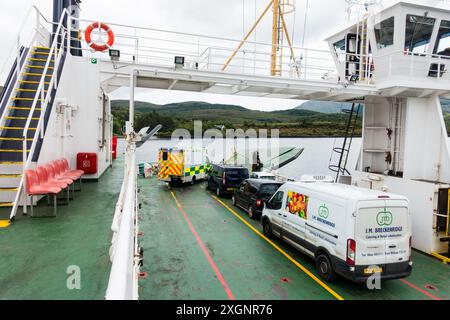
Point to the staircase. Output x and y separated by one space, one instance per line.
14 121
17 113
26 106
343 152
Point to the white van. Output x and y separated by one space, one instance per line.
349 231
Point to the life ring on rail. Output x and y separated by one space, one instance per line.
92 44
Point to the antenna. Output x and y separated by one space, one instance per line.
353 7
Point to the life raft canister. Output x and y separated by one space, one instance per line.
92 44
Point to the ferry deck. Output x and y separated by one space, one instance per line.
195 247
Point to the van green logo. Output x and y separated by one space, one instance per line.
384 218
324 212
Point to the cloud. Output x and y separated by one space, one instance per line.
221 18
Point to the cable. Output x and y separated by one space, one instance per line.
305 25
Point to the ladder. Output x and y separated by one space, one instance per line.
343 152
364 49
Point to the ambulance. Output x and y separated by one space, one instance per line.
352 232
182 165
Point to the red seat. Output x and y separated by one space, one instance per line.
35 188
67 168
59 172
43 175
52 175
62 168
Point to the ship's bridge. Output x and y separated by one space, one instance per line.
401 47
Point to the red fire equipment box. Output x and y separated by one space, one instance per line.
114 147
87 162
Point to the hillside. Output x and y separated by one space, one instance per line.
292 123
311 119
324 106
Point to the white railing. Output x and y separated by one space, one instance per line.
29 34
124 255
141 45
43 96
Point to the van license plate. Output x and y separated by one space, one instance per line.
230 189
373 270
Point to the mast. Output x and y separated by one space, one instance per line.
280 8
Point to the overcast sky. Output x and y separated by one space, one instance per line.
222 18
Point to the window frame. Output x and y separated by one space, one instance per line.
273 198
377 29
409 46
438 40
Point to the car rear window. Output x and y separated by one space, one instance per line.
237 173
269 189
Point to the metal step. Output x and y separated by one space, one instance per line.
10 180
7 195
11 167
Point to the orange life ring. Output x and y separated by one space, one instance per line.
92 44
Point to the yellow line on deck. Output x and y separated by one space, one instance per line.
301 267
4 224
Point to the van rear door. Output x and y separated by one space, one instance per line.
370 244
382 232
398 232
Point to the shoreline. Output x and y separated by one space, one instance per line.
281 137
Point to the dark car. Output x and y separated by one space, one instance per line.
224 179
253 193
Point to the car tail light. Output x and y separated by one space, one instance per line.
259 202
224 178
351 252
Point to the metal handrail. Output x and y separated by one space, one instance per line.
123 251
27 155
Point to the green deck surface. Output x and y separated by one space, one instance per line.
36 252
253 269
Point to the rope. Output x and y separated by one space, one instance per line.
293 27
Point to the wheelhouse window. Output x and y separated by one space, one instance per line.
418 33
339 48
443 40
384 33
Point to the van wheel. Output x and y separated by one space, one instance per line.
193 180
325 268
267 229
